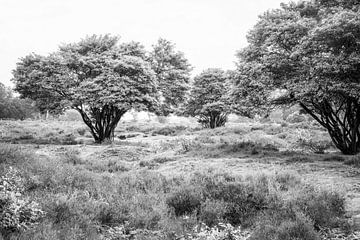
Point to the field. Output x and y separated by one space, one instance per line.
175 180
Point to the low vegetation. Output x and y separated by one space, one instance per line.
117 196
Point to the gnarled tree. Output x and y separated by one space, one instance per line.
208 99
311 51
98 77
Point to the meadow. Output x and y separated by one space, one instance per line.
164 179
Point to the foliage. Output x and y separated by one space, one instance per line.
354 161
172 72
306 53
208 99
184 201
17 213
83 201
98 77
13 107
284 224
221 231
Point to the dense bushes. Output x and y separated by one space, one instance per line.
17 213
83 203
277 207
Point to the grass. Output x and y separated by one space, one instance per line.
79 200
113 191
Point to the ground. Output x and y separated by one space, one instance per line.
242 147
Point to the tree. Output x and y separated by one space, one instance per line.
98 77
208 98
173 74
14 108
311 52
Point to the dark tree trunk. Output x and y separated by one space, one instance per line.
102 121
213 120
341 117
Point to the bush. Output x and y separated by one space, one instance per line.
82 131
248 147
315 146
284 224
169 130
335 158
296 118
299 159
166 131
163 159
72 156
16 212
10 154
184 201
324 208
221 231
212 212
353 161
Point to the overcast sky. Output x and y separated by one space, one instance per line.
209 32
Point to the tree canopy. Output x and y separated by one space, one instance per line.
173 74
97 76
309 50
208 98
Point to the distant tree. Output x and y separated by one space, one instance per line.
311 52
208 99
14 108
172 72
98 77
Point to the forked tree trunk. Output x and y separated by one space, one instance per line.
102 121
213 120
341 117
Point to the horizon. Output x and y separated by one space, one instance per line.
208 32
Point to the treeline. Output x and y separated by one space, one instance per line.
12 107
308 52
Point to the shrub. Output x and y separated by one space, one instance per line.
81 131
315 146
284 224
243 200
221 231
163 159
166 131
184 201
72 156
188 145
353 161
16 212
324 208
286 180
249 147
212 212
296 118
11 154
299 159
68 140
169 130
335 158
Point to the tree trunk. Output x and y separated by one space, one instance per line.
102 121
341 117
213 120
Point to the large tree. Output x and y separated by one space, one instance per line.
208 98
311 52
97 76
173 74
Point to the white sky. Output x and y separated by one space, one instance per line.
209 32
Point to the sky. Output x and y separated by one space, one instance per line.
208 32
